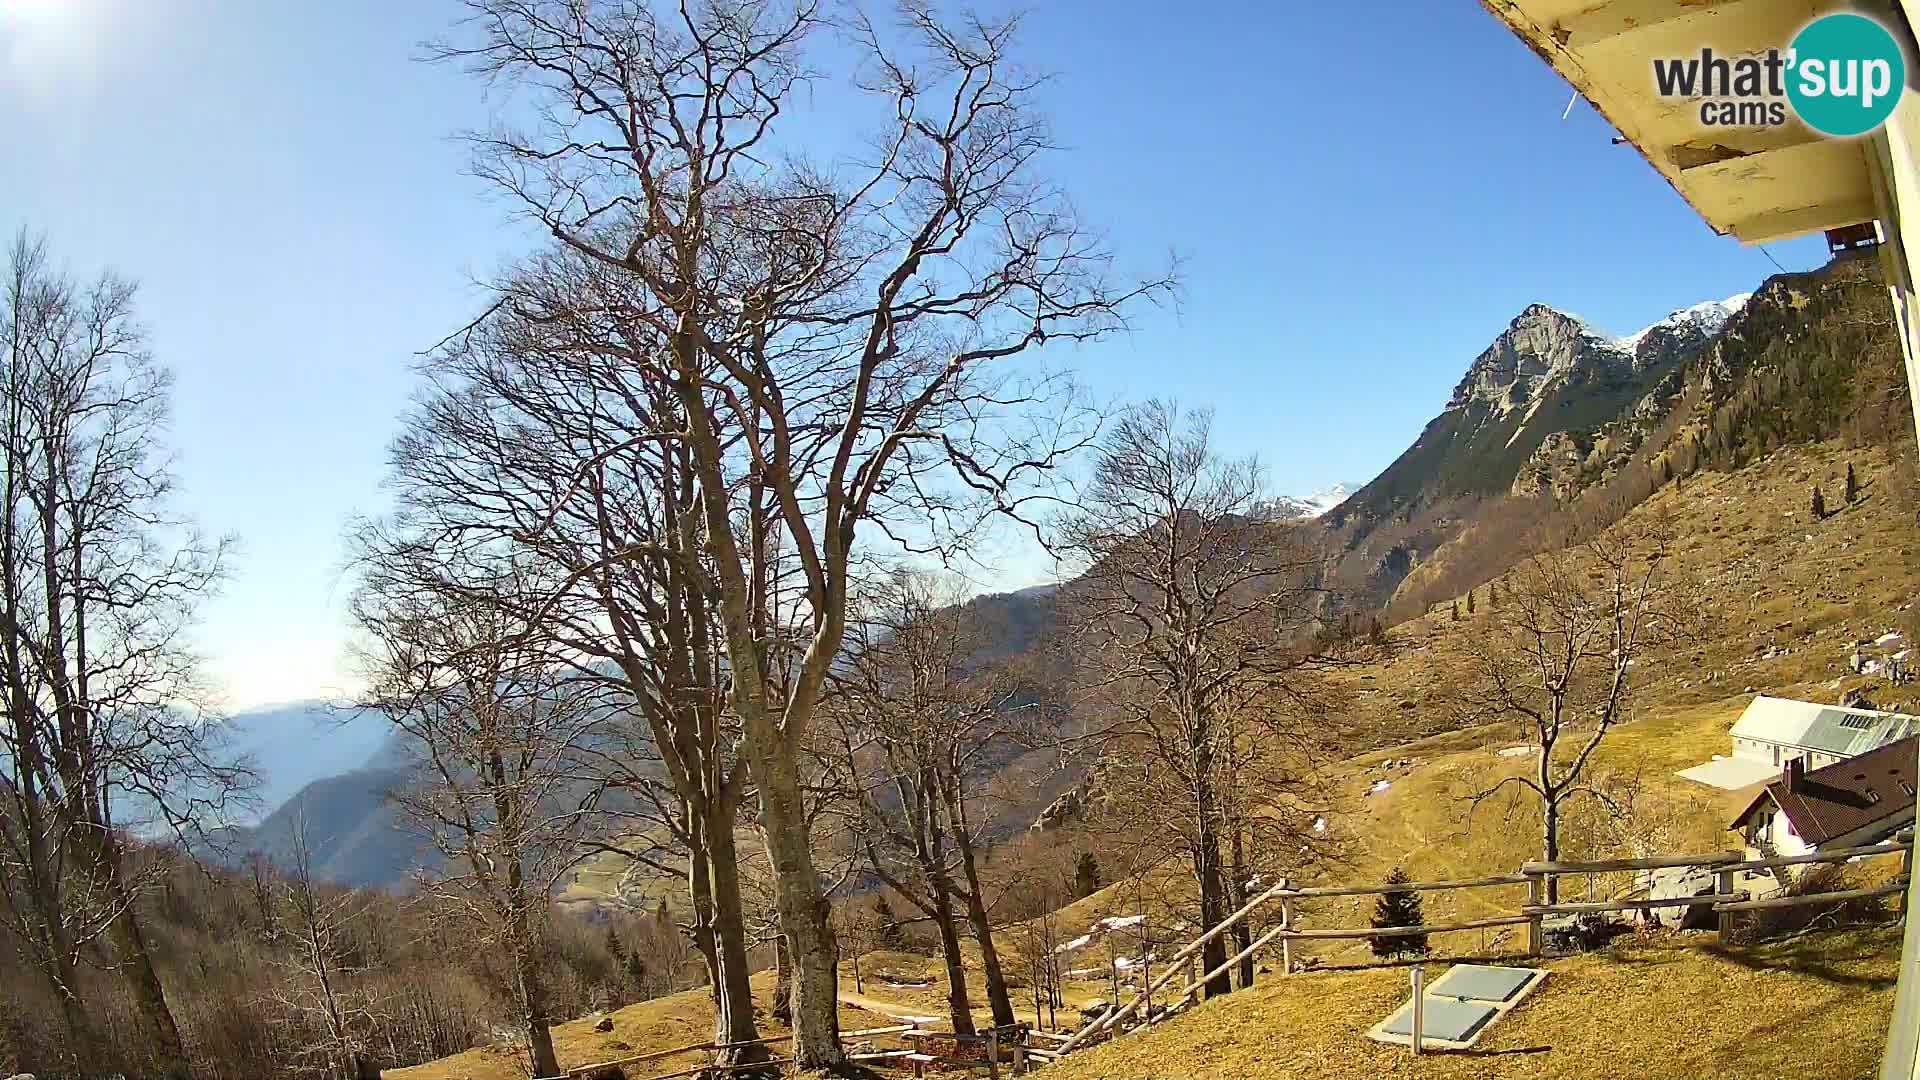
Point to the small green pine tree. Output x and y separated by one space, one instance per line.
1469 601
1853 485
1819 506
1399 907
1455 617
1086 874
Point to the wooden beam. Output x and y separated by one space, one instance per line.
1604 23
1404 931
1629 905
1808 219
1410 886
1813 898
1833 855
1661 862
1737 144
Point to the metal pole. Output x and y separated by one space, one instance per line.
1419 1002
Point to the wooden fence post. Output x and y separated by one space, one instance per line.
1419 1005
1536 896
1286 939
1724 886
993 1052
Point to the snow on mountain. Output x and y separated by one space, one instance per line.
1544 345
1299 507
1709 317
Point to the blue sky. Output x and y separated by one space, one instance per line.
1363 197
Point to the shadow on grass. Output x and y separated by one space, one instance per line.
1805 961
1501 1053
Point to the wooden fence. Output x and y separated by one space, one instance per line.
1726 900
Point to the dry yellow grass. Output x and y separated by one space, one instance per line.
1647 1008
1664 1007
661 1024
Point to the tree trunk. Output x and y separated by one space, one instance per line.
1550 844
169 1051
733 996
1213 911
803 911
959 1008
782 980
976 901
700 895
533 991
1236 899
1206 852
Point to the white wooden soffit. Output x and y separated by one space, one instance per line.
1756 185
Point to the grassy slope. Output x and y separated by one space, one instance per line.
661 1024
1779 582
1646 1008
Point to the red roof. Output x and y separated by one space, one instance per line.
1848 795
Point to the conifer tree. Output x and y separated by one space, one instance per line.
1469 601
1455 617
1819 506
1086 874
1399 907
1853 485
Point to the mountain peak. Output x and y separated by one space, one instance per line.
1300 507
1541 344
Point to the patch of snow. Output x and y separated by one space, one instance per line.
1379 786
1710 316
1080 942
1121 922
1320 824
1888 638
1517 751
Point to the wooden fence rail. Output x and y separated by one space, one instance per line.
1724 900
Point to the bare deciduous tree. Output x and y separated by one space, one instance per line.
496 726
1557 657
1191 624
829 334
104 724
325 997
923 720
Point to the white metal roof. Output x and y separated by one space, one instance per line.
1828 729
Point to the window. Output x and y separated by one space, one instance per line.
1776 755
1906 788
1857 723
1872 796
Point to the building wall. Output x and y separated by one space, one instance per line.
1895 154
1778 754
1778 832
